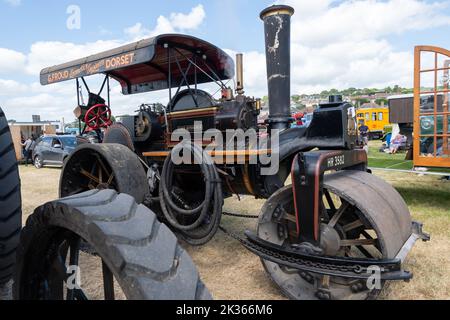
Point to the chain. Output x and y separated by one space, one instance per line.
298 261
232 235
236 215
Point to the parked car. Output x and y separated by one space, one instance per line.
54 150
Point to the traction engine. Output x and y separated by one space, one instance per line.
319 238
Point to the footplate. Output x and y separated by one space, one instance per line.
330 266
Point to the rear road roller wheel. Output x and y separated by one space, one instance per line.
104 166
137 258
10 203
363 216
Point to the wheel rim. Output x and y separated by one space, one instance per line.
360 234
307 286
93 173
104 166
37 162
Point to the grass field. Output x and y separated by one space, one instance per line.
387 161
397 161
230 272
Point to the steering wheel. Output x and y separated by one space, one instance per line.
98 116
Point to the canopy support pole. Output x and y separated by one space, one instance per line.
78 101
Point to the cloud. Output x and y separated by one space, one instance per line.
334 45
11 87
346 44
11 61
190 21
58 100
175 23
254 72
323 22
14 3
48 53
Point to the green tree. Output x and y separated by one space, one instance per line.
388 90
381 101
361 101
334 92
296 98
407 91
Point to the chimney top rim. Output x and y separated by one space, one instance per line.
277 10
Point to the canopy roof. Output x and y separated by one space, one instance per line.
144 66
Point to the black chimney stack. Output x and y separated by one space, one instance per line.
277 25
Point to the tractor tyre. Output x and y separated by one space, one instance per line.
137 252
10 203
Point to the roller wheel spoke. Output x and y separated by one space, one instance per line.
329 200
100 175
352 226
338 215
102 164
90 176
110 179
365 252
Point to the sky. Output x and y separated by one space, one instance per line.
335 44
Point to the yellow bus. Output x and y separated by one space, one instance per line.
375 118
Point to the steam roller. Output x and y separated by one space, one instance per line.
337 232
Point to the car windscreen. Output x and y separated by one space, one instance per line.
69 142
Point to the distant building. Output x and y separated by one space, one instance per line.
23 130
370 105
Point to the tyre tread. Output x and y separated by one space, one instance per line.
143 254
10 202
